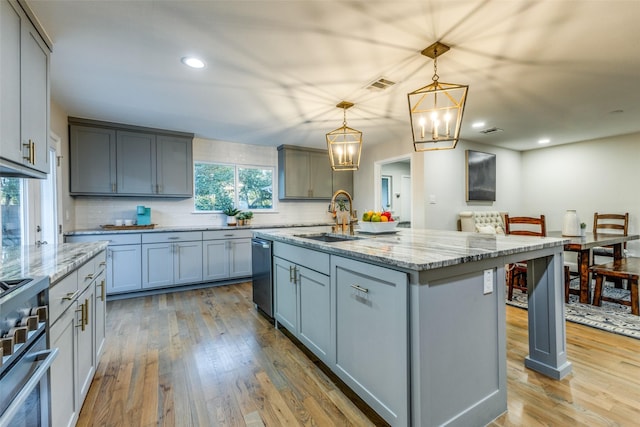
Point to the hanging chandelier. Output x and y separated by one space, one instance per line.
344 144
436 110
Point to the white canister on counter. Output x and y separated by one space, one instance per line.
571 224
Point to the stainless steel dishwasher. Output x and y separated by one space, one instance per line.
262 275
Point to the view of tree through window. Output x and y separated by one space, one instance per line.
11 203
244 187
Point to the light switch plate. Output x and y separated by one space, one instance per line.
488 281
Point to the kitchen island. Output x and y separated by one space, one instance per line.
414 322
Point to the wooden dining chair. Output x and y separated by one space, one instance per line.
521 226
609 223
614 224
517 272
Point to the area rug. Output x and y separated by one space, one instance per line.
610 317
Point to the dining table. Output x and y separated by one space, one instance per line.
583 245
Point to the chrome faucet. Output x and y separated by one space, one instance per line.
332 207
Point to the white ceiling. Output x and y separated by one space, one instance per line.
276 69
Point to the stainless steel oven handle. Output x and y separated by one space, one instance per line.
35 379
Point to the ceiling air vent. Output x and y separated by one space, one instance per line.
491 130
380 84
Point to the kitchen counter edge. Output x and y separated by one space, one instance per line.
54 261
417 249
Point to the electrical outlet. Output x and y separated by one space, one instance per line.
488 281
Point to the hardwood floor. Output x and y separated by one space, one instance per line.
206 358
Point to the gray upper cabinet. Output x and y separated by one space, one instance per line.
24 66
135 162
93 160
343 180
172 151
304 173
121 160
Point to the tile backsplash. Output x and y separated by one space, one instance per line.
93 212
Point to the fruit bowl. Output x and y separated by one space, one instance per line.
377 227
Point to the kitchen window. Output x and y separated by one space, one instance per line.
11 201
218 185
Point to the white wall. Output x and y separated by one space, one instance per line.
92 212
589 176
441 174
396 171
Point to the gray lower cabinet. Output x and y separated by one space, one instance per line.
124 268
303 296
77 319
315 311
63 374
226 254
100 313
124 260
170 259
121 160
286 294
86 336
138 261
371 327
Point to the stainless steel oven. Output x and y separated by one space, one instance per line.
25 356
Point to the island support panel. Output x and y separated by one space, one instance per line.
547 330
458 346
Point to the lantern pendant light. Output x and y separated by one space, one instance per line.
436 110
344 144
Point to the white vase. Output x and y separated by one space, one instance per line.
231 220
571 224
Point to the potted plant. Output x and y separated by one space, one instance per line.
241 217
231 213
247 217
583 228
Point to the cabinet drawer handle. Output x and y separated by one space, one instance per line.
86 312
293 274
103 264
360 288
31 157
173 238
70 296
229 235
102 286
89 276
81 324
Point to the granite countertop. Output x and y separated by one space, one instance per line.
47 260
191 228
417 249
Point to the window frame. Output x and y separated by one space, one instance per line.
236 187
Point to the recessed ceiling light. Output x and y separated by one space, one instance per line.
478 124
193 62
544 141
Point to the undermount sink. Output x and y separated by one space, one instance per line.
327 237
